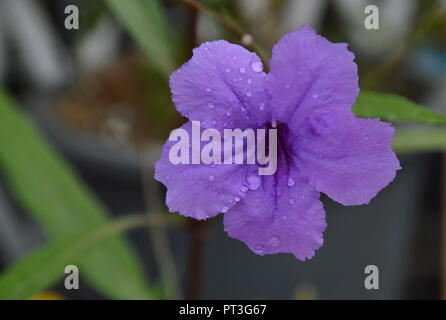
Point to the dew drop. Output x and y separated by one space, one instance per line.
228 70
249 81
211 105
211 177
168 177
237 199
290 182
242 70
254 182
274 241
228 113
244 188
257 66
291 201
214 122
287 86
262 106
315 96
225 209
249 94
208 89
258 247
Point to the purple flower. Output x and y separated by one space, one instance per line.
322 146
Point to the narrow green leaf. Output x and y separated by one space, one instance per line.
420 140
50 191
47 264
145 21
394 108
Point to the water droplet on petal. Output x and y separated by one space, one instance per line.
208 89
168 177
211 105
254 182
242 70
228 70
249 81
262 106
211 177
257 66
249 94
315 96
292 201
224 209
244 188
290 182
258 248
237 199
287 86
274 241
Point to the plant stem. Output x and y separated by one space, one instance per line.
198 230
160 239
235 28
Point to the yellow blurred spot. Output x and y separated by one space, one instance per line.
47 296
305 291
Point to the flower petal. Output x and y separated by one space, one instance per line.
283 215
309 73
223 86
198 190
347 158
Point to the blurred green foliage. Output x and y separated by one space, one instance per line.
59 202
394 108
146 22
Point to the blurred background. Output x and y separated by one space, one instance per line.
92 110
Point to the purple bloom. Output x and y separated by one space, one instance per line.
322 146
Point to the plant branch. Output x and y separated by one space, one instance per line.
245 38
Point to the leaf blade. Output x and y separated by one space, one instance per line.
394 108
46 265
144 20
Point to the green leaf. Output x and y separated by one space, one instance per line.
145 21
46 265
394 108
59 202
